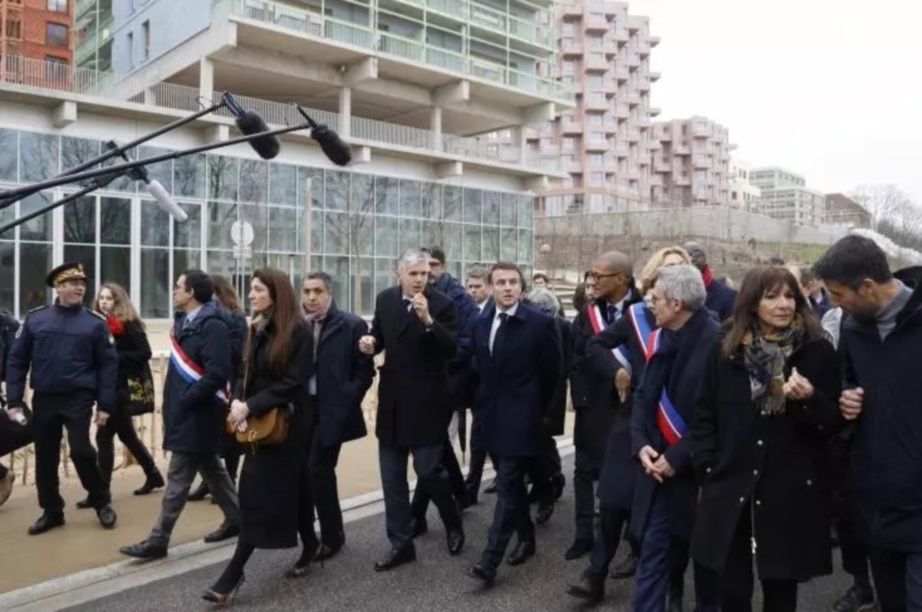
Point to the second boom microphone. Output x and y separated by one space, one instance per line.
248 122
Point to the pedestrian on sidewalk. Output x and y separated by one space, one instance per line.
73 364
195 398
135 388
278 362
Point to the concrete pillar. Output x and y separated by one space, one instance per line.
345 112
206 78
517 135
435 125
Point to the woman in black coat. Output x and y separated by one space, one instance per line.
767 406
277 363
135 387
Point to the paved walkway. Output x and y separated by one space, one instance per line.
435 582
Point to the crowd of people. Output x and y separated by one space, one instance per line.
738 434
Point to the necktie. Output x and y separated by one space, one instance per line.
500 332
407 305
612 313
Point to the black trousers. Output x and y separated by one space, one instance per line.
306 494
52 414
420 503
120 424
897 580
585 473
853 551
322 467
736 583
512 514
612 522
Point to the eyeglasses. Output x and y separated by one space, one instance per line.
597 277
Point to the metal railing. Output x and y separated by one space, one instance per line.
20 71
309 23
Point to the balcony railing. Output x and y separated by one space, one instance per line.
360 35
39 74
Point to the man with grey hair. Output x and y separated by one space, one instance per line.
665 494
417 327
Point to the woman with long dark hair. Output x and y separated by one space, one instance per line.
277 363
135 387
765 411
226 297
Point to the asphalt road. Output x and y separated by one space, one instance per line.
435 581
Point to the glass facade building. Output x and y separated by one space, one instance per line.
354 224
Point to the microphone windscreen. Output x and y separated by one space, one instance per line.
165 201
267 147
336 150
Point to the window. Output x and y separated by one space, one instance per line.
145 41
13 29
56 35
57 6
131 49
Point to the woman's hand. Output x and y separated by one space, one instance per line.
798 387
238 415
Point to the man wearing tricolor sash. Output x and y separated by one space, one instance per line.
195 401
664 497
594 396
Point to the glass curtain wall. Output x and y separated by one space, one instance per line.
243 214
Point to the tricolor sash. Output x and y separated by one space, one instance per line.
668 419
190 371
620 353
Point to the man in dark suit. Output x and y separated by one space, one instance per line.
518 362
720 298
417 326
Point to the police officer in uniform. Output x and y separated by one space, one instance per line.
74 365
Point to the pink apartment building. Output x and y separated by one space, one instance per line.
692 164
605 143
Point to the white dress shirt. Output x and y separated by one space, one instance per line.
497 321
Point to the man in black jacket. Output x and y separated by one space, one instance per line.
342 376
195 398
417 326
881 348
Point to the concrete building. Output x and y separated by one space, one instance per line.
403 101
604 143
692 163
842 210
38 29
93 23
785 196
743 194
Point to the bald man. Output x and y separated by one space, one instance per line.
598 403
721 299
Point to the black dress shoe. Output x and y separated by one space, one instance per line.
625 569
395 558
482 573
46 522
420 526
589 588
107 516
577 550
521 553
224 532
83 504
455 541
199 494
144 550
154 481
544 513
327 551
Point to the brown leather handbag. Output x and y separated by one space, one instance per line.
269 429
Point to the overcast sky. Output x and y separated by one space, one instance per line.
827 88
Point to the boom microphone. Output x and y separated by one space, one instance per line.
154 187
336 150
248 122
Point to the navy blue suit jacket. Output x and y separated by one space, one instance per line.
516 383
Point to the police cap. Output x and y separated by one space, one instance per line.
71 270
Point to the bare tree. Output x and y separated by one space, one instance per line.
882 201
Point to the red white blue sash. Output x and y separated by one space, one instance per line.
597 322
190 371
668 419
